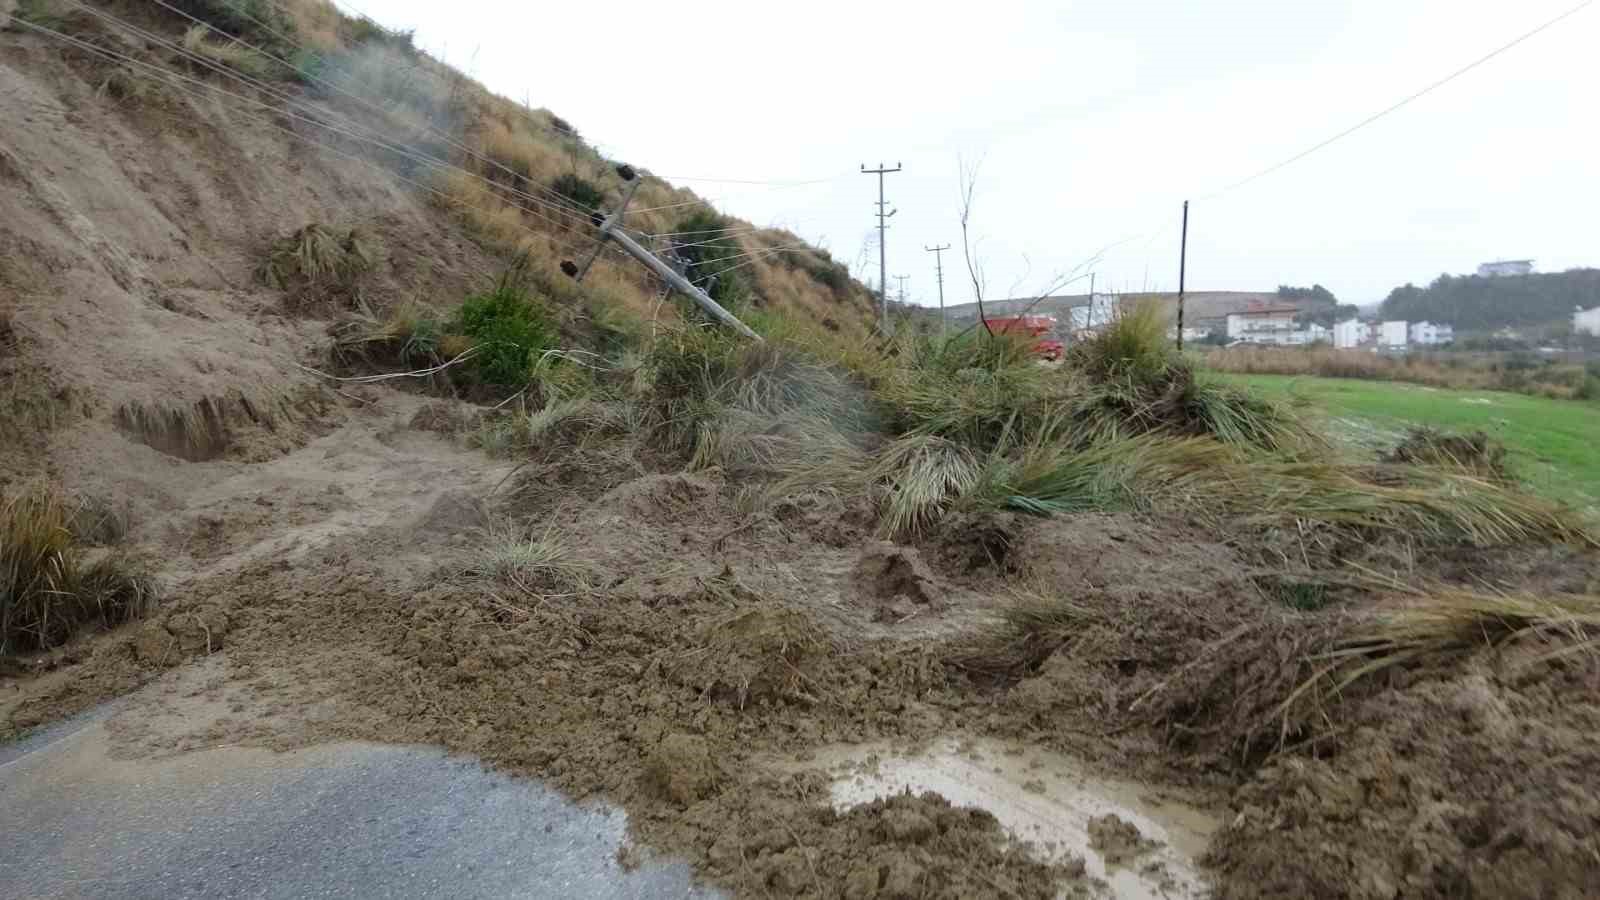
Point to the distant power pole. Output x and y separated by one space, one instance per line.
883 254
938 269
1183 259
902 280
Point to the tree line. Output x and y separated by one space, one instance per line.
1476 303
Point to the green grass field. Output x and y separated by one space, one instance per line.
1554 444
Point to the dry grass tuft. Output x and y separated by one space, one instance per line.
1476 454
203 429
317 263
46 592
232 54
1437 625
539 565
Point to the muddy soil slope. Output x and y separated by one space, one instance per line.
605 620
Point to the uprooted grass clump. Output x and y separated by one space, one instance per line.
926 426
48 590
318 263
1246 680
1476 453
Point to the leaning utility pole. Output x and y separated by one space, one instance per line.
610 232
938 270
1183 259
883 254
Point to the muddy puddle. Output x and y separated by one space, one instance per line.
1137 844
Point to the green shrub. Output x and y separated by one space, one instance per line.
259 22
709 254
579 190
509 328
1134 347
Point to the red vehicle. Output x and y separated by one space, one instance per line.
1034 326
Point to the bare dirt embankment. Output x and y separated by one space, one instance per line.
599 618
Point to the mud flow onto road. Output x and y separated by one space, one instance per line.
1131 840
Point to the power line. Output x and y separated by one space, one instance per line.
800 183
557 200
1403 102
174 77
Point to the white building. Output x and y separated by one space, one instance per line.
1428 334
1350 334
1586 321
1506 267
1311 334
1102 309
1392 334
1263 325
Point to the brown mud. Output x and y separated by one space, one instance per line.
700 644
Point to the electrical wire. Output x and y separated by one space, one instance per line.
115 56
555 198
752 181
371 137
1403 102
754 258
741 229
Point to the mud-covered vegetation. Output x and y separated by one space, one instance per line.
49 587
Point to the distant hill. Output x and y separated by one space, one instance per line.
1476 303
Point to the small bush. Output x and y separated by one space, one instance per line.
508 328
50 14
708 255
1134 347
46 592
260 22
579 190
232 54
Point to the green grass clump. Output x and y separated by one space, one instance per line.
510 329
578 189
47 593
709 255
1133 347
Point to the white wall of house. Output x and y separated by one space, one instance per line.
1347 335
1506 267
1261 328
1392 334
1586 321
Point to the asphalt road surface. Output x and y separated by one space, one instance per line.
337 820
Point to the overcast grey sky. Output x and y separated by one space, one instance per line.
1094 120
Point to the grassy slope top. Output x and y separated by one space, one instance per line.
521 179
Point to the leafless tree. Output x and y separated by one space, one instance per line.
969 250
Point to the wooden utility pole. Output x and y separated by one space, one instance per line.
1183 259
610 232
883 257
938 270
